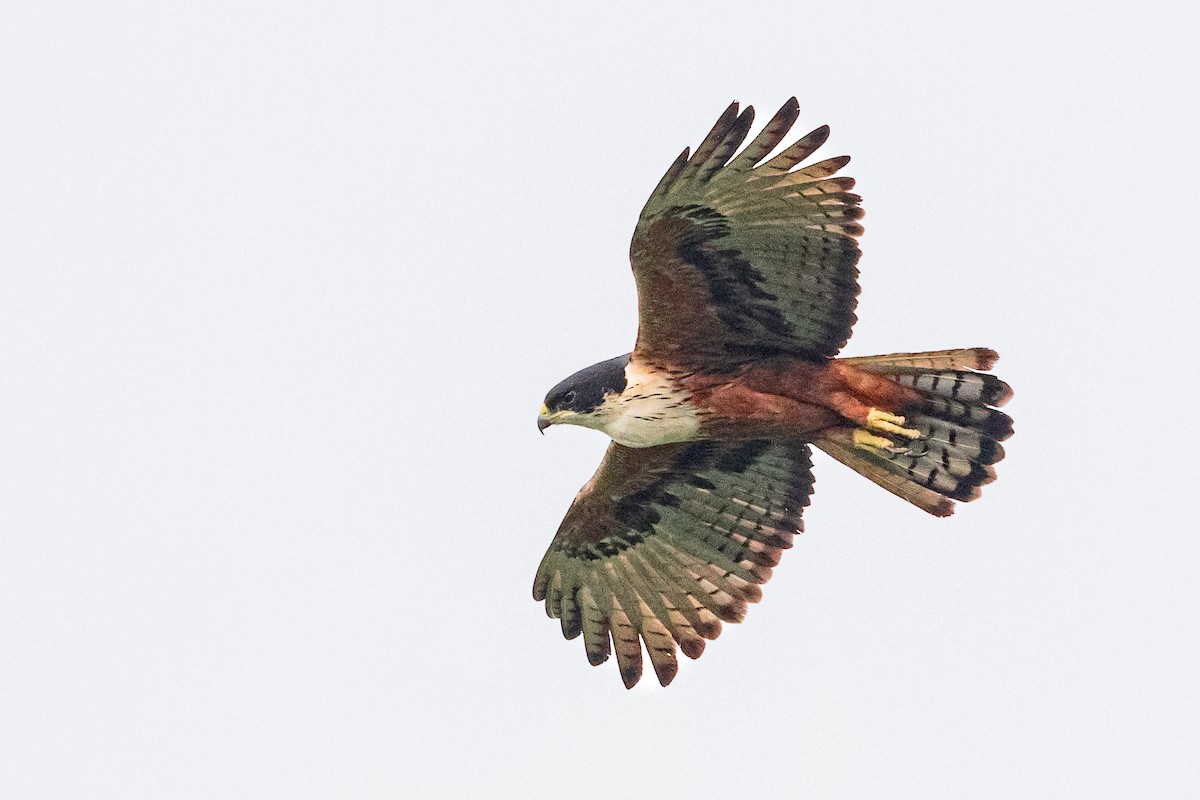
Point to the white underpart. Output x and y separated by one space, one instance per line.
649 412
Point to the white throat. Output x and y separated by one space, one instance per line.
649 412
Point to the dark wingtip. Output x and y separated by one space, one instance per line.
732 612
999 425
692 648
630 676
999 392
966 492
786 115
666 672
943 508
990 451
987 358
746 118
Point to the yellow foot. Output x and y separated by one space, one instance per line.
868 441
884 422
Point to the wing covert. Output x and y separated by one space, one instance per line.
664 543
736 259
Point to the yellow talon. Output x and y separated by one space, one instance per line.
889 423
869 441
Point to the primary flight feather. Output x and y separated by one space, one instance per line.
747 279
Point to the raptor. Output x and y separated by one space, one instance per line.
746 271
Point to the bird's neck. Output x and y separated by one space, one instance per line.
654 409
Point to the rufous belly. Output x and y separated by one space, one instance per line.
789 398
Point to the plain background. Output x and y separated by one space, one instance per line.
283 286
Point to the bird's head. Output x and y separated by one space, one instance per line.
581 398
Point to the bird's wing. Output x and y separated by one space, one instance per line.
737 257
665 542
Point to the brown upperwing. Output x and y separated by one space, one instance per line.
736 260
665 542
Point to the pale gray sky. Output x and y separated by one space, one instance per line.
282 287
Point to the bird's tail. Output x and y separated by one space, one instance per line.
944 446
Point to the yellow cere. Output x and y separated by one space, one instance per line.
544 411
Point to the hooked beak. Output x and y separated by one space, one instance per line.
543 420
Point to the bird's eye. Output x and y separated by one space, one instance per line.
569 397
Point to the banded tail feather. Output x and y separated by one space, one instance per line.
980 358
957 427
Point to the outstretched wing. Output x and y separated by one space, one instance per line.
665 542
738 260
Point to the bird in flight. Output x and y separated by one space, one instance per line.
746 278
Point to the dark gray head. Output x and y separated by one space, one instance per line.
583 392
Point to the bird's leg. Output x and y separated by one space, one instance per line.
878 428
882 421
865 440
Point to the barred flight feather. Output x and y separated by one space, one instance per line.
670 178
710 145
768 138
811 177
620 593
625 644
804 147
980 358
654 612
674 611
713 520
732 140
595 628
572 617
705 223
697 616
